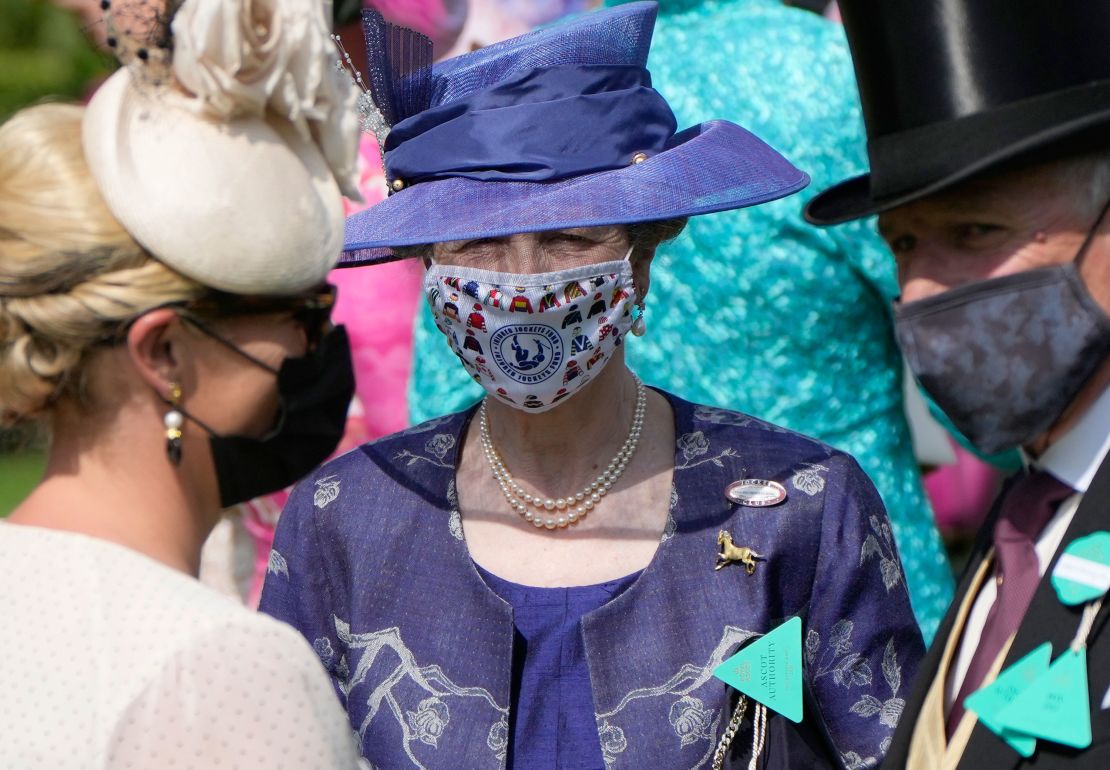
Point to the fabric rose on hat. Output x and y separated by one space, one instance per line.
272 59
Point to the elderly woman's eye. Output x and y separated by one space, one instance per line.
478 244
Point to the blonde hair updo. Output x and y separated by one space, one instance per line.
70 276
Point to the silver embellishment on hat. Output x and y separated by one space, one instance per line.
398 83
370 117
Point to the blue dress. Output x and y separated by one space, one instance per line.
755 310
551 705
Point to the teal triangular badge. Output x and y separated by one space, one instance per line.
1056 706
769 670
992 700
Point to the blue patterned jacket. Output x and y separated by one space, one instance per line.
371 565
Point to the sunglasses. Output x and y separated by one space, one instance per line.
310 310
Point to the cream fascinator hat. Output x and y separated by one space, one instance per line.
225 144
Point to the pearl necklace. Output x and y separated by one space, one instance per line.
560 512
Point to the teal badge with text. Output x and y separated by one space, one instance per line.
1082 573
989 702
769 670
1056 705
1034 699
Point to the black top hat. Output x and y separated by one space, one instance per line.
953 88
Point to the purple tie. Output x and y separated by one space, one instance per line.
1028 506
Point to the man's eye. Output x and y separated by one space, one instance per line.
903 244
974 230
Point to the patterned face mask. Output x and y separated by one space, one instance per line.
1004 357
533 340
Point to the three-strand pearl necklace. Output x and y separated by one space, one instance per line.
560 512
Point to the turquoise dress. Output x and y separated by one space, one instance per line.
755 310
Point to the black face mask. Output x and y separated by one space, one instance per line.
314 391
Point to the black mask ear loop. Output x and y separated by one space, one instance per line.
209 332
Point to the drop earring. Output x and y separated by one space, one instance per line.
173 420
639 326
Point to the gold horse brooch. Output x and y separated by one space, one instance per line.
730 553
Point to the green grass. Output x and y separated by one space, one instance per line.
44 53
19 472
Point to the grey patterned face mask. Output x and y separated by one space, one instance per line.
1004 357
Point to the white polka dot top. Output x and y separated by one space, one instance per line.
109 659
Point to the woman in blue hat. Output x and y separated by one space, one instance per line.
551 578
787 76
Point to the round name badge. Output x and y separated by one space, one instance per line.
755 493
1082 573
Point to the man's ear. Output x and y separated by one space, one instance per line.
1094 268
154 344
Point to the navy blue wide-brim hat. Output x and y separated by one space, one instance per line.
555 129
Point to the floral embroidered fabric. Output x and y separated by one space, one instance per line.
371 564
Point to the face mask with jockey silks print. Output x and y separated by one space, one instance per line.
533 340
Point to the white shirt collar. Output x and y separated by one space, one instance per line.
1076 455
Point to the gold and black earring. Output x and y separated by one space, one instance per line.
173 420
